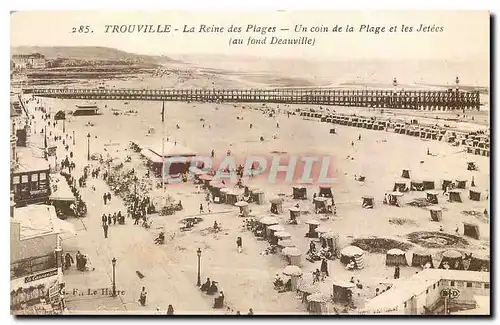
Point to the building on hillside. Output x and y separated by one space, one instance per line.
36 258
28 61
423 293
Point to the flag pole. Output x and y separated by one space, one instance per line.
163 150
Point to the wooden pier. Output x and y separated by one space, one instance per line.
441 100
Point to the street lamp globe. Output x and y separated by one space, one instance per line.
88 135
113 261
198 252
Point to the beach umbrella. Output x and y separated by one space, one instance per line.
286 243
241 204
329 235
318 297
276 228
292 270
307 288
282 234
268 221
351 251
312 222
291 251
323 229
206 177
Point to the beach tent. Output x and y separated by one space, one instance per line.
479 262
299 193
367 202
276 206
352 252
420 259
428 184
313 224
342 291
475 195
405 173
294 215
257 196
401 186
282 244
453 258
446 183
395 257
332 240
432 197
223 195
206 179
455 196
293 254
325 191
295 273
395 198
320 204
416 185
232 197
471 230
461 183
60 115
317 304
244 209
436 213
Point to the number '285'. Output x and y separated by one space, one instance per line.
81 29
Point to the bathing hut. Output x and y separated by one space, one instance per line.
368 202
325 191
475 194
332 240
294 215
257 196
471 230
446 183
282 235
313 224
420 259
395 198
461 183
432 197
317 304
453 258
299 193
223 195
342 292
436 213
455 196
352 253
293 254
295 273
215 191
82 110
244 209
405 173
206 180
60 115
276 206
395 257
479 262
416 185
232 197
320 204
401 186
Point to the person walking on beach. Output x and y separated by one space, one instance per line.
201 208
109 197
114 218
105 228
396 272
109 219
105 198
208 207
239 244
104 219
170 310
324 268
142 296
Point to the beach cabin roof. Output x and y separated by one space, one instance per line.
37 220
171 150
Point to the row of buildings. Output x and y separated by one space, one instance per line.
35 229
28 61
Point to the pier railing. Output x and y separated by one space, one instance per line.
406 99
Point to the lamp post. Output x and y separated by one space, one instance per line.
198 252
88 146
113 261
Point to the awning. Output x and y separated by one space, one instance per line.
66 230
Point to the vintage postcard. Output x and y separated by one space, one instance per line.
250 163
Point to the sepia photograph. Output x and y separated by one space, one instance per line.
250 163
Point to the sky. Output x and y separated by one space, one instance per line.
465 34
